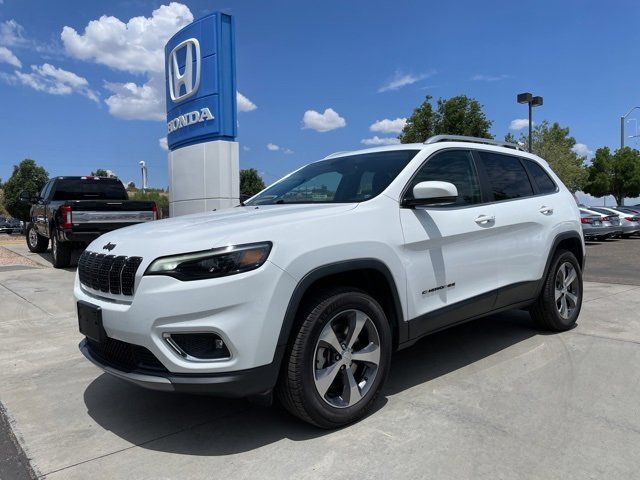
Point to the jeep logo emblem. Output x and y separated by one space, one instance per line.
109 246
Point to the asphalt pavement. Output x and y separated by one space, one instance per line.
490 399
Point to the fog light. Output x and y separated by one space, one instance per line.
198 346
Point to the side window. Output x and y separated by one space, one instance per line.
507 176
45 190
453 166
540 177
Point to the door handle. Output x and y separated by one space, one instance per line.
545 210
483 219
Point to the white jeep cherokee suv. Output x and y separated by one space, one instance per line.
308 287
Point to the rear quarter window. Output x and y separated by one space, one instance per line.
541 178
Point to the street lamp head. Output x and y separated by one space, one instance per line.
536 101
524 97
141 163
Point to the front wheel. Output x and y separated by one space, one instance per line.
559 303
338 361
61 252
36 242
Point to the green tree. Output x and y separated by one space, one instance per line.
420 125
26 176
617 174
458 115
100 172
250 182
554 144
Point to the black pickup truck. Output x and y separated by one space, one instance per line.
74 211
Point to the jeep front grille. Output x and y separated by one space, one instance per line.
108 273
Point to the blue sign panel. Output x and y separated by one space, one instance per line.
201 82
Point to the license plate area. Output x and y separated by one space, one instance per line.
90 322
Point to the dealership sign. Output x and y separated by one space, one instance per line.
201 83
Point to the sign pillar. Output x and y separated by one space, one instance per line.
202 116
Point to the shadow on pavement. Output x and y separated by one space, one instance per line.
200 425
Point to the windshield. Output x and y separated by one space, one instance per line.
354 178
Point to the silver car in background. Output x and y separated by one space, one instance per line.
629 223
610 223
592 227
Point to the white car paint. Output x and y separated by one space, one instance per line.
422 247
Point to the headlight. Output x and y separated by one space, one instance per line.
218 262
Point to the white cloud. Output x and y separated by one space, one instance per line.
56 81
7 56
12 34
388 126
163 144
323 122
131 101
490 78
582 150
288 151
273 147
245 148
244 104
519 124
136 46
380 141
400 80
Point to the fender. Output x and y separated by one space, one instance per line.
573 235
341 267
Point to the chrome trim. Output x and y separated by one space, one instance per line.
176 348
111 217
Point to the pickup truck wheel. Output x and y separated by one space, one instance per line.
36 242
338 361
61 252
558 305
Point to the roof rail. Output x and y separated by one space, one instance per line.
335 154
463 138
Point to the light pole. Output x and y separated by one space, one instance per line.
622 120
143 167
532 101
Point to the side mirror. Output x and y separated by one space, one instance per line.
26 197
433 193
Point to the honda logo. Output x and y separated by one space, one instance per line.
190 76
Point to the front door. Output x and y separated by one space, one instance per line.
450 251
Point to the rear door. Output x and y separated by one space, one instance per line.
525 200
450 251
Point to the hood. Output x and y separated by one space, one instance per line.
203 231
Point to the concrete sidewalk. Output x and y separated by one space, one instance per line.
490 399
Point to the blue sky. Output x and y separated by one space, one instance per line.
76 100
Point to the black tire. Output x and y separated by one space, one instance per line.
546 310
60 251
296 387
36 242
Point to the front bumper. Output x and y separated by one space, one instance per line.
241 383
245 310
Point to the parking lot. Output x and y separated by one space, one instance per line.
490 399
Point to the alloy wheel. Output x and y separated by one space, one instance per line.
33 238
566 290
347 358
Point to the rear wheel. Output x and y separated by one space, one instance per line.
558 306
339 359
61 252
36 242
